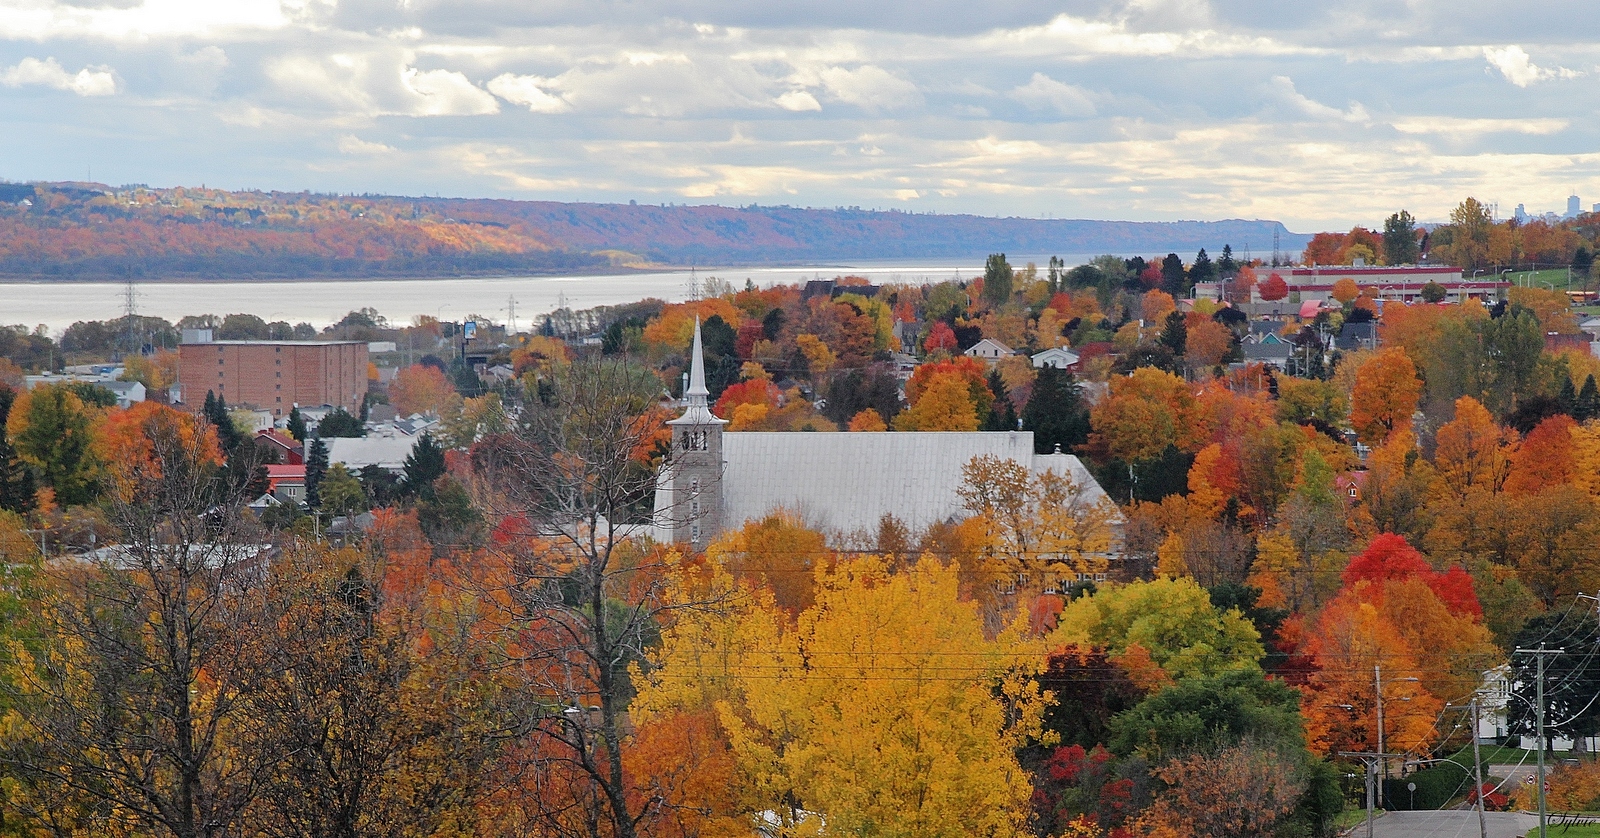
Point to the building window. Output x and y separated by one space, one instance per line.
219 362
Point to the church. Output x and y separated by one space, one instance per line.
839 483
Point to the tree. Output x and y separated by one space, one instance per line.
53 431
807 704
1571 679
1400 239
1345 290
566 484
297 424
1175 333
423 465
1238 790
421 388
1002 414
1207 343
1385 395
340 492
316 469
1040 529
339 423
1471 451
868 420
945 405
16 481
1056 412
1171 621
1173 278
135 684
997 280
1226 266
1202 270
941 338
369 724
1273 289
1545 458
778 553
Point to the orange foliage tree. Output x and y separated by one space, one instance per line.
1385 395
1545 458
420 388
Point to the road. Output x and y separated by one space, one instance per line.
1450 823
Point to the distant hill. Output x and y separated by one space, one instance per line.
713 234
85 230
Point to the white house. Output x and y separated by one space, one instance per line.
1059 357
990 350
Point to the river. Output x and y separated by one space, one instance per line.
320 302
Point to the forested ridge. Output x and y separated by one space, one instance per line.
82 230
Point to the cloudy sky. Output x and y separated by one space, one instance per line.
1320 114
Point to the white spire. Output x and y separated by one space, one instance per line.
697 411
697 370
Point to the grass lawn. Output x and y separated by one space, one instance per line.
1498 755
1577 831
1352 817
1555 278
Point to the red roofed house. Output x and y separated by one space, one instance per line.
287 482
280 447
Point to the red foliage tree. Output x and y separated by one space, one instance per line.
1273 289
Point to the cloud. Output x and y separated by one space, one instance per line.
869 87
351 144
798 100
529 92
1283 87
446 93
150 19
98 81
1517 67
1045 93
1474 127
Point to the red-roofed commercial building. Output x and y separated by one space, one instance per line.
1391 282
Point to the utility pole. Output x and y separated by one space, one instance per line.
1369 762
1477 770
1538 715
1377 683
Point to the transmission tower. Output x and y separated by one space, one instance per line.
511 314
1277 253
130 315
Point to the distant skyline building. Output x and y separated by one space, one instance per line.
1574 206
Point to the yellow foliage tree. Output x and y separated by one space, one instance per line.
945 405
1385 395
1471 451
884 707
868 420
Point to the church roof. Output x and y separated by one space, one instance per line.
846 482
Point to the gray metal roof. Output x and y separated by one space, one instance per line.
357 452
846 482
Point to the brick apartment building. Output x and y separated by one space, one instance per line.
274 375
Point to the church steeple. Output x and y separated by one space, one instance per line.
695 466
697 410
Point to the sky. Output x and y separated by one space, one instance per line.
1319 114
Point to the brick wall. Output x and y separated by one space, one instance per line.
275 376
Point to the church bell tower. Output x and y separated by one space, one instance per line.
696 461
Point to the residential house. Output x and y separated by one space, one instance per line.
1058 357
989 350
